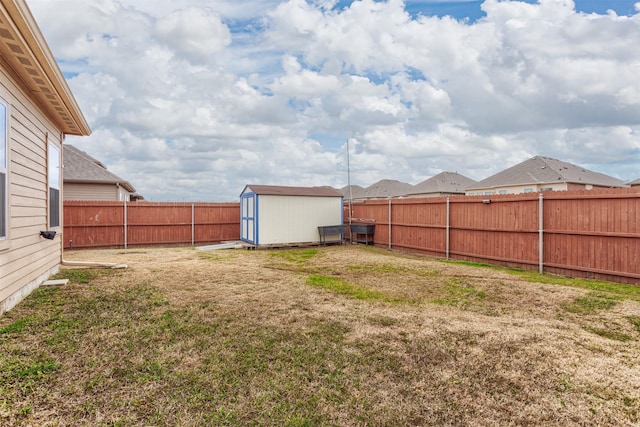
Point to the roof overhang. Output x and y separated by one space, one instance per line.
278 190
124 184
26 54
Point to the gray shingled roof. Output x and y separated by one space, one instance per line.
356 192
387 188
545 170
278 190
443 183
634 183
81 167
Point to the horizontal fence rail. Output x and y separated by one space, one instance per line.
90 224
593 234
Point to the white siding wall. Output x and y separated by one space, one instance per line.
518 189
295 219
123 195
77 191
26 259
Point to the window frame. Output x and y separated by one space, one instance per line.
4 170
54 154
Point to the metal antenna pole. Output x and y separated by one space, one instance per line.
350 192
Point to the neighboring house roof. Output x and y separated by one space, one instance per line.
25 51
443 183
634 183
355 193
545 170
278 190
79 167
387 188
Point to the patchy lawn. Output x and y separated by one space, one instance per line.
331 336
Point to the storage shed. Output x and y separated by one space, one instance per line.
276 215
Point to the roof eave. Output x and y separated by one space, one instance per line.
126 185
55 90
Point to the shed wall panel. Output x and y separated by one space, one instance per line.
295 219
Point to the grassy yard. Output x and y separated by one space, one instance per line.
331 336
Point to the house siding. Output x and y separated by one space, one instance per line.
90 191
519 189
26 259
123 195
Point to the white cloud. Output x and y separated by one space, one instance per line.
193 33
192 99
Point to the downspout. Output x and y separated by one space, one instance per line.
61 191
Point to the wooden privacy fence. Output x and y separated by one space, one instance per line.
121 224
577 233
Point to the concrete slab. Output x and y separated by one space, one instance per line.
225 245
56 282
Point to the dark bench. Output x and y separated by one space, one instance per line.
331 230
362 233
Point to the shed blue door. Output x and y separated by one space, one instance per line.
248 208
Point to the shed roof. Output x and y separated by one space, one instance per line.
545 170
31 63
80 167
444 182
278 190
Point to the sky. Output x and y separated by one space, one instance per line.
191 100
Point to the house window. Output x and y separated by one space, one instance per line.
3 171
54 186
528 190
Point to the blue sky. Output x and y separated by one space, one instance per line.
191 100
472 9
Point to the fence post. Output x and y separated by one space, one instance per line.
193 224
447 231
389 223
125 224
540 235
